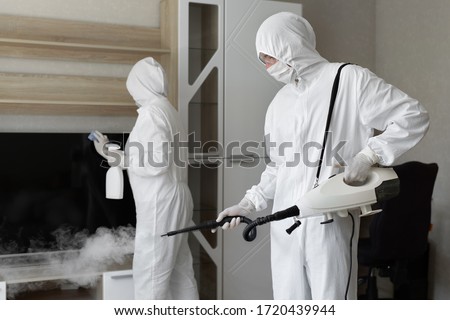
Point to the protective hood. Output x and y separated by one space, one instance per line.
290 39
147 81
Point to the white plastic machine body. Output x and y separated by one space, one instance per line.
336 196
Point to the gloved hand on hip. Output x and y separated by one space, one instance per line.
357 171
243 208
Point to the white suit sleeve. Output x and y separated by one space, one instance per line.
150 151
264 191
402 120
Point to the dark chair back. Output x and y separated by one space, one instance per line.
400 231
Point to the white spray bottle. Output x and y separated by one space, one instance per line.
114 175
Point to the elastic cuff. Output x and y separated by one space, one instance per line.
247 204
372 156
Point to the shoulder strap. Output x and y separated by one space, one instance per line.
330 113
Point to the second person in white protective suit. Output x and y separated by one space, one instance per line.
157 169
315 261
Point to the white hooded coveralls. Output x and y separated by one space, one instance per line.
314 261
162 266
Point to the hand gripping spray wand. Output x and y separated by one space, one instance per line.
331 197
249 232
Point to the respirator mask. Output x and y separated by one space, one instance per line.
282 72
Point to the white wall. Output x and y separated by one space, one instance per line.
412 52
338 40
126 12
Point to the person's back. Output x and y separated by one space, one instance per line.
157 169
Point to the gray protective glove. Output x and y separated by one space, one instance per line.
110 151
357 171
115 156
243 208
100 141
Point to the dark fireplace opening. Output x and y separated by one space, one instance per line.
54 183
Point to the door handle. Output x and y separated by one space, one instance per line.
242 158
121 276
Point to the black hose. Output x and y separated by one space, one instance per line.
351 256
280 215
251 234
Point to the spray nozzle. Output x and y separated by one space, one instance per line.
91 136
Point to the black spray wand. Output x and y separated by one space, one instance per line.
212 224
249 232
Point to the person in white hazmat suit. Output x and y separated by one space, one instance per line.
157 169
314 261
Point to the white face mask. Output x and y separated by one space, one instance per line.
281 72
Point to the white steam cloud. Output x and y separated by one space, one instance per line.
105 250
